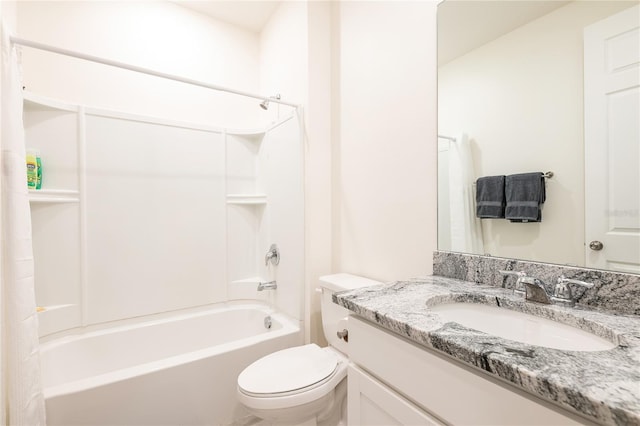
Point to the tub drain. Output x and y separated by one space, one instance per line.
267 322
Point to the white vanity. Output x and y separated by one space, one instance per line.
411 366
402 383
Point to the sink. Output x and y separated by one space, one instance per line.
521 327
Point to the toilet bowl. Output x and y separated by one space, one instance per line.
305 385
293 384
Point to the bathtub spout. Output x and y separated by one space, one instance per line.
271 285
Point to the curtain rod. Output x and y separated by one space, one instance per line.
97 59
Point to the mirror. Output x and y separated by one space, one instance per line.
513 91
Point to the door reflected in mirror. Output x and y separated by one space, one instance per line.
538 86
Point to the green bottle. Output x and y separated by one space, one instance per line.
39 171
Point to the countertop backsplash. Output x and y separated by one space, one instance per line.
615 292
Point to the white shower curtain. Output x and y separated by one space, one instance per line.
21 398
466 229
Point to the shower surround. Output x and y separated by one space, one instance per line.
141 218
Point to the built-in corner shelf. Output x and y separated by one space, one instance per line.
52 196
33 102
42 309
53 318
255 199
252 134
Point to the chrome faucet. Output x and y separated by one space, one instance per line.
273 255
535 290
563 293
532 288
270 285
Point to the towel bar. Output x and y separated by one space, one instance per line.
546 175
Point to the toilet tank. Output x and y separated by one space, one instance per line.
332 314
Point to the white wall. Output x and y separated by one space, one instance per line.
519 98
283 53
295 62
333 57
318 167
384 190
8 13
157 35
283 71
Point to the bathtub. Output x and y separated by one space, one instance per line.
173 370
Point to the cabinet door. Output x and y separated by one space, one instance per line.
370 403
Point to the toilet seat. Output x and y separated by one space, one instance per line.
291 377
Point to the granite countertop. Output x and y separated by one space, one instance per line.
602 385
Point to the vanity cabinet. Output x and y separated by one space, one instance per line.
372 403
395 381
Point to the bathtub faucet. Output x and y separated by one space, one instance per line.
271 285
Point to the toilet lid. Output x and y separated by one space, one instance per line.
288 370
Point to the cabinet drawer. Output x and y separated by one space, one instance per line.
455 393
373 404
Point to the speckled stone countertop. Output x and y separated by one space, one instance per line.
603 385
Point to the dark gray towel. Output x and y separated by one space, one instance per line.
490 200
525 194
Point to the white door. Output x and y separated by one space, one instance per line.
612 142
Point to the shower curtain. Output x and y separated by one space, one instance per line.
466 230
22 401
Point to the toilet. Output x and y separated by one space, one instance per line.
305 385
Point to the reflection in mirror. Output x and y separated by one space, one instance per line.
515 83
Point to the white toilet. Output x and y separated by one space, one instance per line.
305 385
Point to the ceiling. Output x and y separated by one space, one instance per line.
250 15
465 25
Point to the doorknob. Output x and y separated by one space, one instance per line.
596 245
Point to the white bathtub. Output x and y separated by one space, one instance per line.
176 370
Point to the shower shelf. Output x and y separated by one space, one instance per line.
33 102
258 133
54 307
52 196
247 199
58 317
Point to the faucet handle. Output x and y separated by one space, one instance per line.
519 287
273 255
563 293
564 280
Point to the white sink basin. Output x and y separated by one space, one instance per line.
521 327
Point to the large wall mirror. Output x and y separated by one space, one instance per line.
542 86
